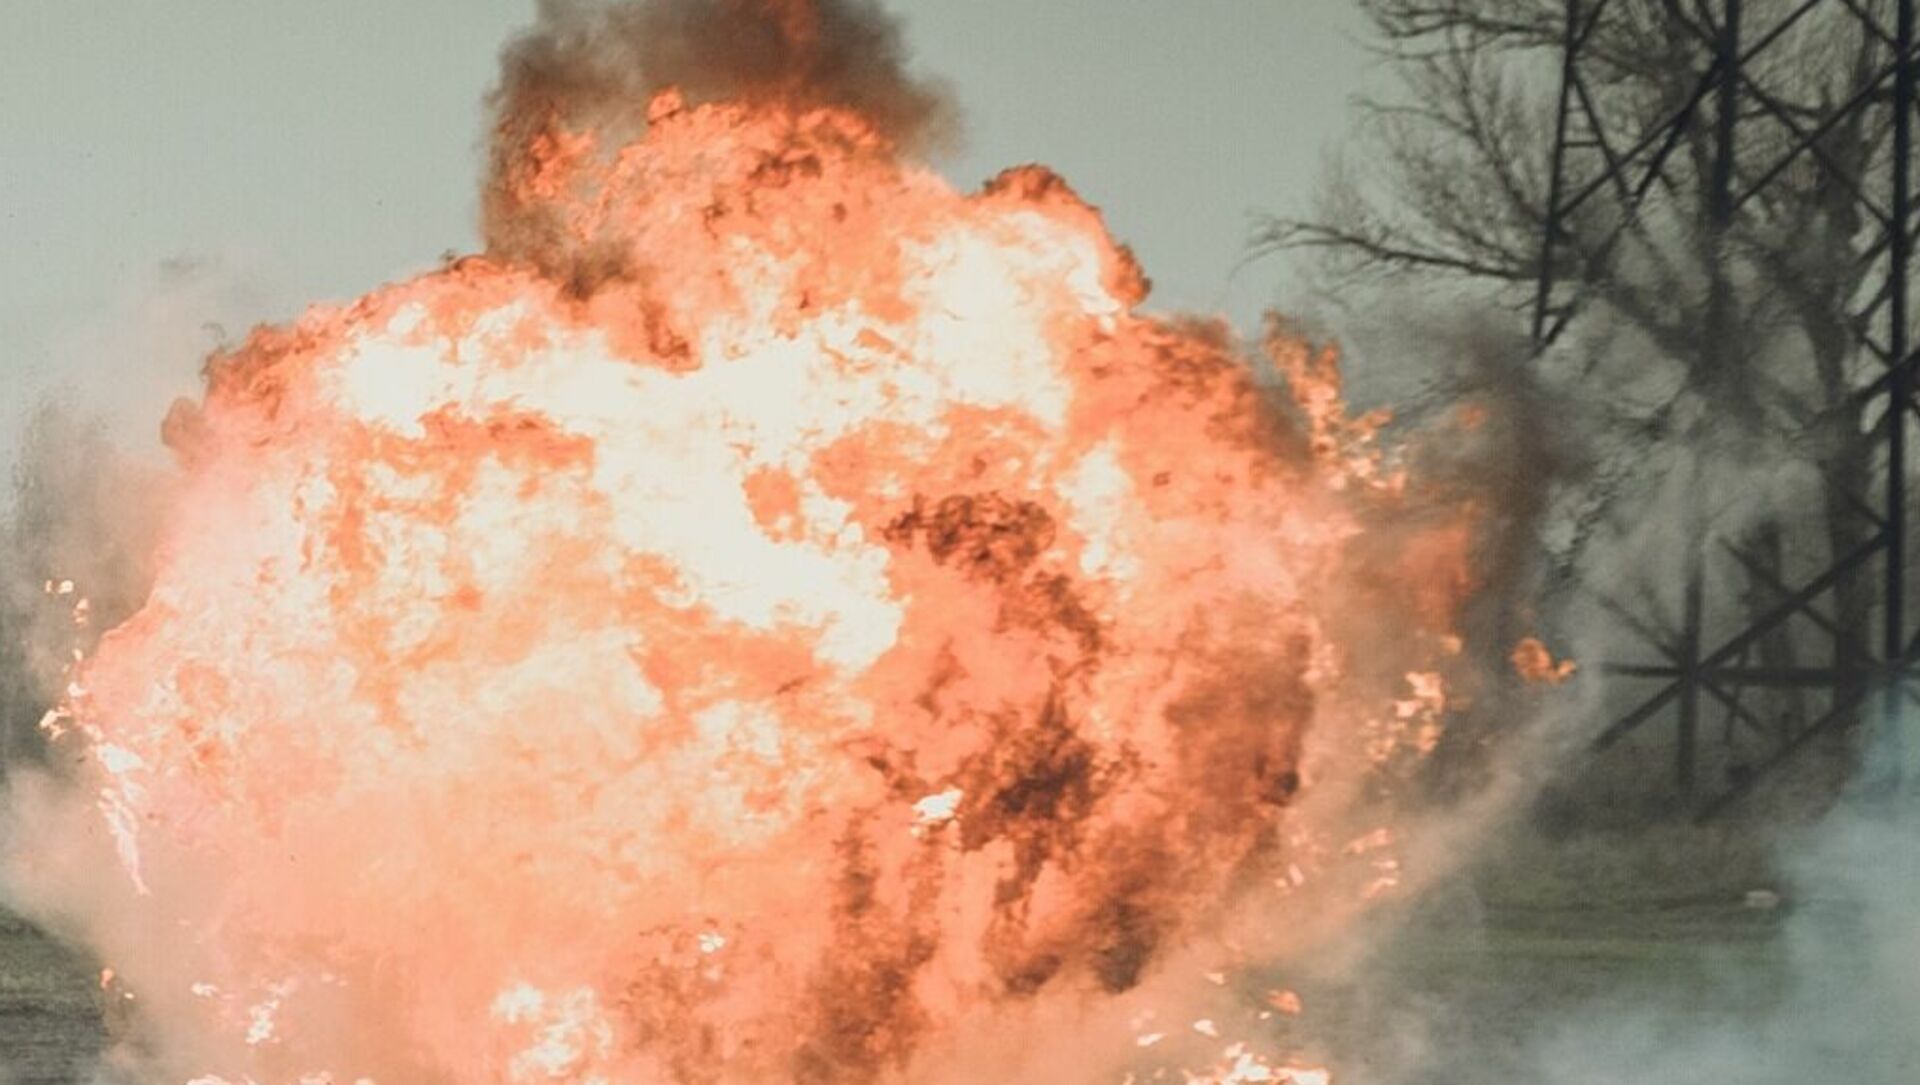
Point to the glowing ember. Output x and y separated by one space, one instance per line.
1534 662
1243 1067
770 611
1287 1002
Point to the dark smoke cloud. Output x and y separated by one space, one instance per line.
584 57
586 65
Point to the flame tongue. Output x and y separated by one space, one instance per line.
792 608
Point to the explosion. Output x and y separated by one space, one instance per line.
767 616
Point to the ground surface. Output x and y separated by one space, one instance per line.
1541 995
49 1018
1470 994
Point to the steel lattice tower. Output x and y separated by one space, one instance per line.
1591 163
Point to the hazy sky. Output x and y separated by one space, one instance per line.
169 166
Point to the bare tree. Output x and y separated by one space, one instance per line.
1721 290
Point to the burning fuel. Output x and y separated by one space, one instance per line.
769 615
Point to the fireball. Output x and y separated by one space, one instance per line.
767 611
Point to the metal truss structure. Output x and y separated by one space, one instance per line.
1702 669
